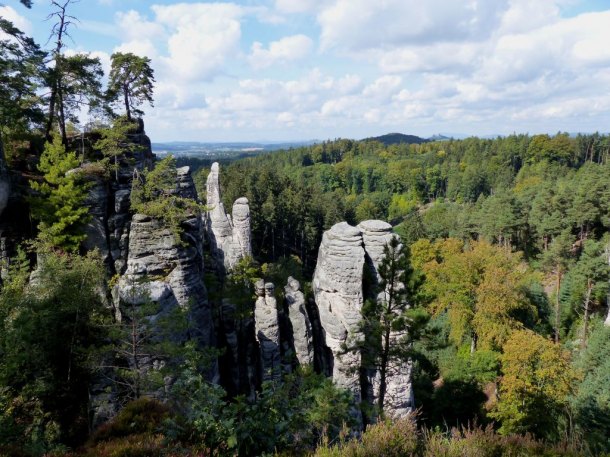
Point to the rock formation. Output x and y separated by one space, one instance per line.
267 330
337 286
4 182
339 295
109 203
301 327
230 239
399 393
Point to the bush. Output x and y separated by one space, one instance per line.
142 416
388 438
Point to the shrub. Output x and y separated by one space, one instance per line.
141 416
388 438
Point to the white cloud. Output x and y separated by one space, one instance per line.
18 21
356 25
290 48
296 6
481 66
202 37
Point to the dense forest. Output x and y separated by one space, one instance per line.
497 281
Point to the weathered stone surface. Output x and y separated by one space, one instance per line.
337 287
4 182
169 273
185 187
230 239
301 326
399 393
339 295
267 330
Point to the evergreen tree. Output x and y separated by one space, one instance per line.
391 321
58 202
131 78
21 61
115 142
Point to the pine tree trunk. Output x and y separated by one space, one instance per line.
585 327
383 369
557 305
126 99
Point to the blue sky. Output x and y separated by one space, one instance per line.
258 70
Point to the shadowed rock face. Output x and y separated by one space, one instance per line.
338 289
301 326
399 393
267 330
230 239
4 183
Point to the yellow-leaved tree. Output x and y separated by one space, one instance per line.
536 383
482 288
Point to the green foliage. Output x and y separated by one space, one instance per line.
59 200
401 438
141 416
114 143
291 416
155 194
389 439
591 403
483 288
131 78
537 380
20 64
47 331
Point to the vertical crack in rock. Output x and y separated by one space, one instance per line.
267 330
230 238
399 392
301 326
337 286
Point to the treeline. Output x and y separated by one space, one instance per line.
518 191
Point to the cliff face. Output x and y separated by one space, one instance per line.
230 239
344 254
399 392
301 330
337 287
109 203
4 182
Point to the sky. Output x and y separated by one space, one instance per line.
291 70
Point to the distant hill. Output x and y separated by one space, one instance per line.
439 137
397 138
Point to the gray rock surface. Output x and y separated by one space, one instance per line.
230 238
337 287
301 326
267 330
399 392
338 290
185 187
168 273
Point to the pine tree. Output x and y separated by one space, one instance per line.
132 79
58 203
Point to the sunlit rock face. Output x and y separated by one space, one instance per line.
399 392
337 287
344 254
230 237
